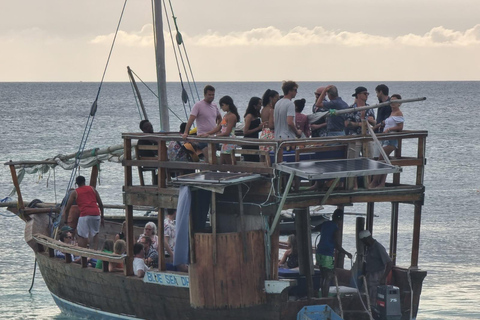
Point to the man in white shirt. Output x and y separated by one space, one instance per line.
284 113
139 266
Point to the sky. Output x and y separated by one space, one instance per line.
247 40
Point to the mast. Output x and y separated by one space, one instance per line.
160 64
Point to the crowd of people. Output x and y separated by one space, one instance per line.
83 231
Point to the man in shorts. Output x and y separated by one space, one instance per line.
91 212
325 250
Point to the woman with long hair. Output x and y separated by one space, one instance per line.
226 128
252 125
269 99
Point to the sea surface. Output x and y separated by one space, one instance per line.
41 120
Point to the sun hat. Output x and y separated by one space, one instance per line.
359 90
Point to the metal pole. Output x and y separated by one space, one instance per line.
160 62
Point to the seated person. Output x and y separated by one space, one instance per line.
169 234
65 237
290 257
107 247
139 266
146 127
151 255
120 247
122 235
150 231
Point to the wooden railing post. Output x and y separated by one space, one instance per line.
129 209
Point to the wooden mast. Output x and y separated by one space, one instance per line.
160 65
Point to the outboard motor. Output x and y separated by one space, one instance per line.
387 304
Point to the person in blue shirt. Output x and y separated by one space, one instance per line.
326 249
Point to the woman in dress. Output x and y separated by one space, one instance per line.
394 123
269 99
226 128
150 231
253 125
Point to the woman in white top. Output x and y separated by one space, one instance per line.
394 123
150 231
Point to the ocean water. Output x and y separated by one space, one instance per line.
41 120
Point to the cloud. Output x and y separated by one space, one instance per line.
301 36
142 38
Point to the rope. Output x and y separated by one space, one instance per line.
33 277
91 118
146 86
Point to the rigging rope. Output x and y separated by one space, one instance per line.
91 117
180 41
146 86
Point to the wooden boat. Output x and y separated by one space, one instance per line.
233 269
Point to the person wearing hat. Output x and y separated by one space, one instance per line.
353 120
319 127
378 263
335 123
326 248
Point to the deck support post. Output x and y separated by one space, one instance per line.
127 151
282 202
242 223
304 246
161 240
417 218
359 226
394 232
213 221
370 215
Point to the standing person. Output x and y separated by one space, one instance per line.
169 233
252 125
301 120
269 99
206 115
284 113
378 263
226 128
394 123
353 120
91 212
335 124
326 248
319 127
383 112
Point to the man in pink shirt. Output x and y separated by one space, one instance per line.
206 115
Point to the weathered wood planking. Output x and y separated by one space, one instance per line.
232 282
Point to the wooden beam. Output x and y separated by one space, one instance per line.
129 209
370 215
13 172
94 175
304 245
394 232
213 222
417 219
